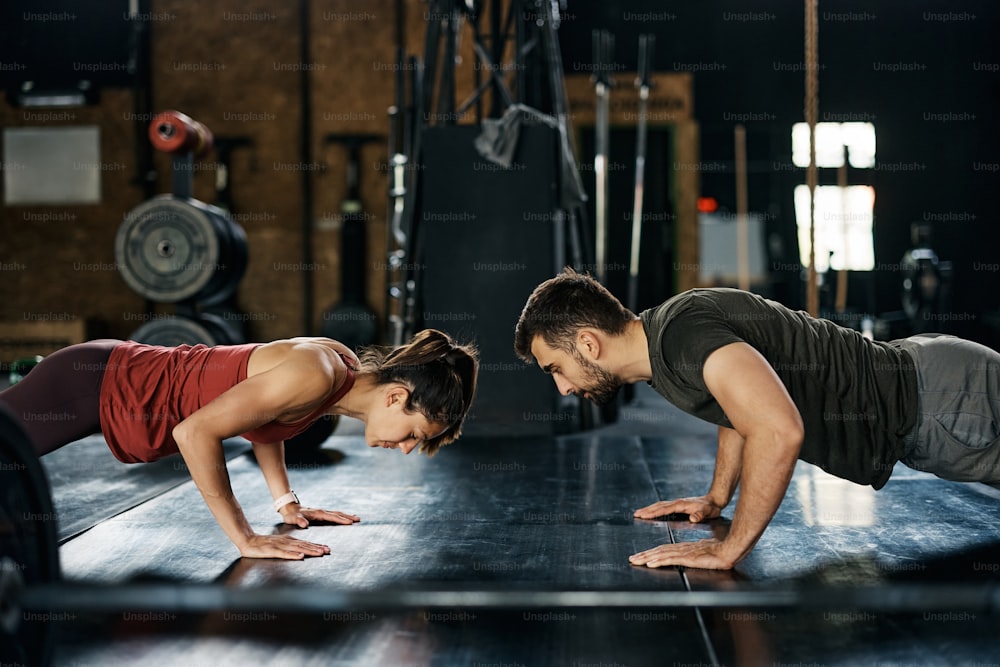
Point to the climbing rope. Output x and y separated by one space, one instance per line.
812 111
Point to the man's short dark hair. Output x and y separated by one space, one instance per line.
561 306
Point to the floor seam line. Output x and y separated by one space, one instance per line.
706 640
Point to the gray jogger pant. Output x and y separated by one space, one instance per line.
957 433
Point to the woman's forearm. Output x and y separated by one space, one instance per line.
271 459
206 463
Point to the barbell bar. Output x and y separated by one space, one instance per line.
187 598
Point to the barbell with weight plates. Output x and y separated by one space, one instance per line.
206 328
31 592
224 331
233 323
29 553
170 249
173 331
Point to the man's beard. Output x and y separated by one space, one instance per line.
603 386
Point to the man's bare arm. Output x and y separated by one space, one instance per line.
728 461
728 466
763 414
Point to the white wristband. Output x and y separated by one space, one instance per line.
289 497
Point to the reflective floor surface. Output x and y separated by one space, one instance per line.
537 516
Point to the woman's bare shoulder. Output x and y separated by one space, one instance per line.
309 351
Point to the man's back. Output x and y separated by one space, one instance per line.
857 398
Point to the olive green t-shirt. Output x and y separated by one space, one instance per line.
857 397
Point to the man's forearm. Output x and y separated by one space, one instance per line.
728 464
768 464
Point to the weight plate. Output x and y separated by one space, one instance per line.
234 322
29 553
352 324
239 253
312 438
224 331
173 331
233 255
167 248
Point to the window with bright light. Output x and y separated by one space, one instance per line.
830 141
844 238
843 216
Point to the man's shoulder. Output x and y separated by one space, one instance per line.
699 299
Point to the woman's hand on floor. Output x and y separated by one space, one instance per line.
296 515
281 546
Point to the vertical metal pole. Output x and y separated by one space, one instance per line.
642 81
742 207
841 302
183 164
306 157
604 48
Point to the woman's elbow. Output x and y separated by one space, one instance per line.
181 433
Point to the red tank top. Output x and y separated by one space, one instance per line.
147 390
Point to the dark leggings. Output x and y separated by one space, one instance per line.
58 402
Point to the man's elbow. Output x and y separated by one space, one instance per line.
788 437
794 433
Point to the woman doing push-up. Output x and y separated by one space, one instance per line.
150 402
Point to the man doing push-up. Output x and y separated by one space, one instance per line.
781 386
